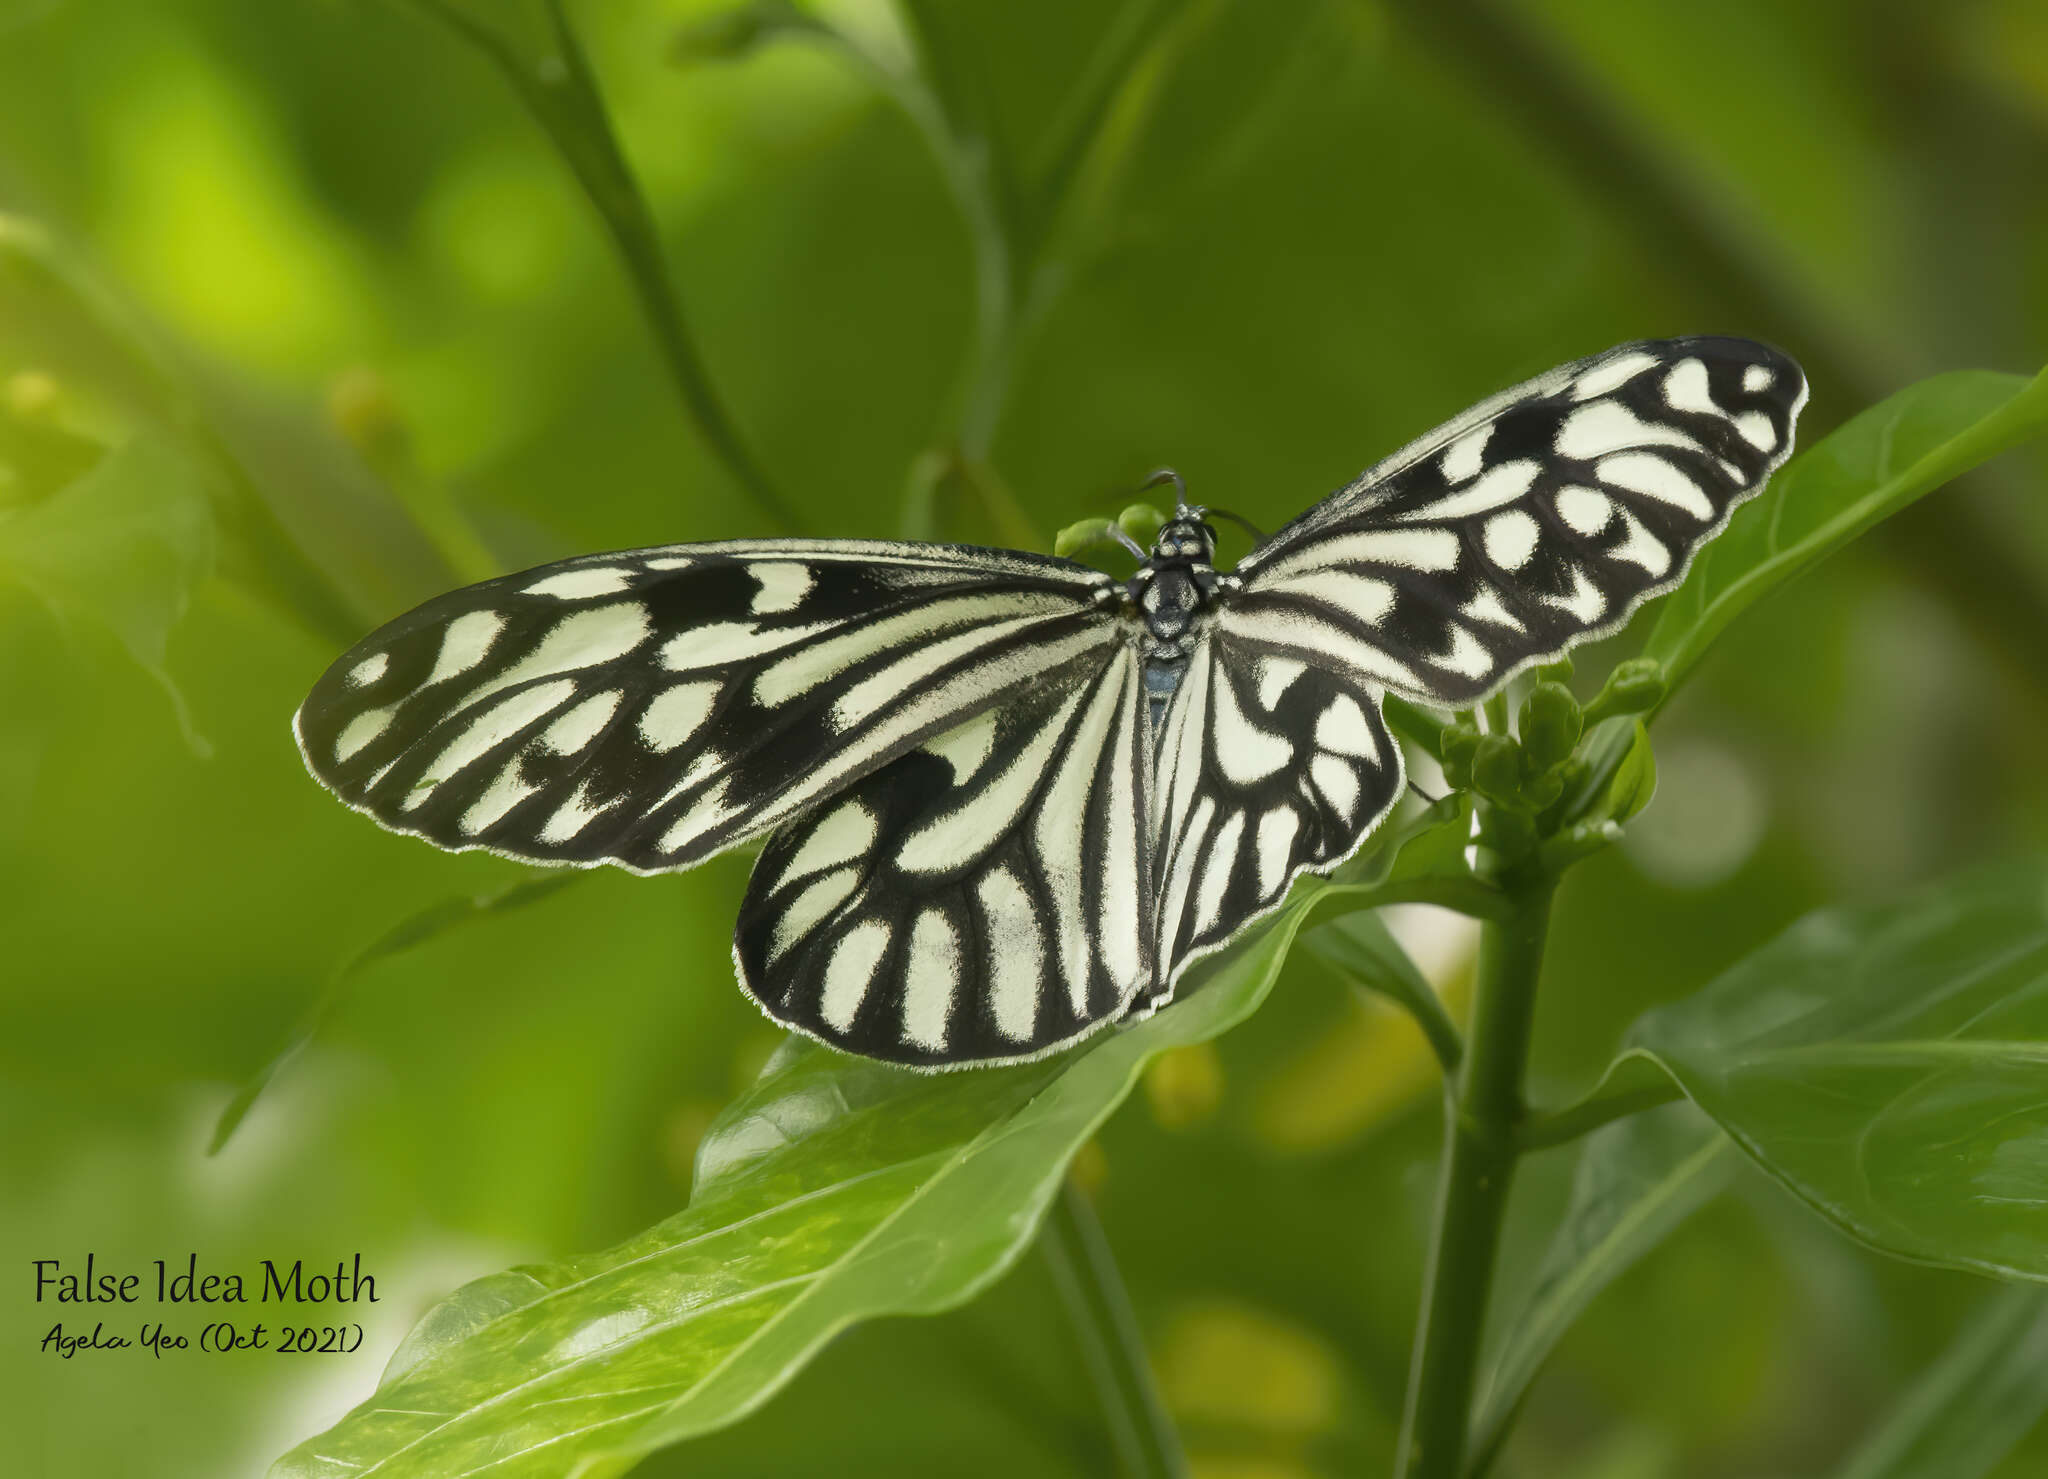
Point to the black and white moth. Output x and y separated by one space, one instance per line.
1009 798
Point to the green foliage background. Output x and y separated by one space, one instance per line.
372 288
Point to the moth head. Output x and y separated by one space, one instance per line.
1186 536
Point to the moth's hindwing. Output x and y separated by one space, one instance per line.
1538 519
983 898
1270 766
653 707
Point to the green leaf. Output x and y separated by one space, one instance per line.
416 929
1362 949
1886 1064
1868 469
835 1190
1635 779
1636 1181
1968 1410
122 548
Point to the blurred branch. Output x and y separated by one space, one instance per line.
1699 245
1085 1273
560 91
1013 230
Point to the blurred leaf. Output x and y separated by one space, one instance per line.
1364 950
416 929
1635 779
123 548
1886 1064
1636 1181
278 487
1868 469
835 1190
1968 1410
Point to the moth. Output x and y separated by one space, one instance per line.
1008 798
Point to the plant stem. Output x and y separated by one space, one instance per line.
1482 1114
562 94
1560 1127
1147 1447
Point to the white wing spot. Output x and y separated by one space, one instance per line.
1343 728
489 728
784 584
1757 430
577 585
1246 753
1275 676
1503 484
975 822
1584 510
850 973
359 731
1363 596
1757 379
1016 953
809 909
1616 372
1464 457
464 644
1487 607
1277 829
1641 547
802 670
1653 477
369 670
1686 389
1221 863
845 834
1511 539
1601 427
676 713
1338 783
1468 657
580 725
573 816
670 562
506 792
928 980
966 747
1585 602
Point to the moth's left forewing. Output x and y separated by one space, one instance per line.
1539 519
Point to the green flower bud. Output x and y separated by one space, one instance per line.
1550 726
1632 688
1142 522
1497 769
1509 833
1556 672
1543 790
1084 535
1460 742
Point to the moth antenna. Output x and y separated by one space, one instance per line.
1240 520
1180 487
1122 537
1431 800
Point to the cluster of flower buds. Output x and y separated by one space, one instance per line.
1530 777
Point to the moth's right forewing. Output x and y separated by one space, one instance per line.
653 707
